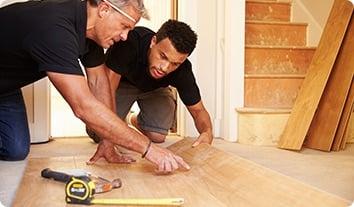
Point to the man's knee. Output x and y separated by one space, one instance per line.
20 155
93 135
16 153
156 137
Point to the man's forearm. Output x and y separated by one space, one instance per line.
99 86
203 123
108 126
201 118
114 80
114 130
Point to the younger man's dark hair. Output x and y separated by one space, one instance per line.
183 38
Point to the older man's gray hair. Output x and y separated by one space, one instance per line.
137 4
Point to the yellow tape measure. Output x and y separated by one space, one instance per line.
140 201
80 190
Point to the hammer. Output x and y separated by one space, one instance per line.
102 185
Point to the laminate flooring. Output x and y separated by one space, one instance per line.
330 172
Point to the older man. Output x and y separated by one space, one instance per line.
46 38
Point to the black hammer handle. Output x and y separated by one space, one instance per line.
58 176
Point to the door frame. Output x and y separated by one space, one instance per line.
37 100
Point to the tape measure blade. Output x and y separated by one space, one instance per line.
140 201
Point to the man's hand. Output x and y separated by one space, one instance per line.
107 151
165 160
204 137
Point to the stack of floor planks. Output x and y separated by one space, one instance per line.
320 116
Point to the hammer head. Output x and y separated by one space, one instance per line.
102 185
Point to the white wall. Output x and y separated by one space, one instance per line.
159 12
218 60
201 16
234 66
313 12
4 3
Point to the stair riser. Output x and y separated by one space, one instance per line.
262 1
275 34
265 128
261 129
277 61
271 92
267 11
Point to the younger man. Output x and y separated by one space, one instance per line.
143 67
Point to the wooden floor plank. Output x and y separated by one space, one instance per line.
349 132
339 139
216 179
325 122
318 73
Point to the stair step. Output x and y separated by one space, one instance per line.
285 1
271 90
277 60
275 76
261 1
268 11
275 33
261 126
249 110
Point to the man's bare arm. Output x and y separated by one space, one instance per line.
202 123
114 80
99 85
107 125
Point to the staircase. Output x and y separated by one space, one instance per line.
276 62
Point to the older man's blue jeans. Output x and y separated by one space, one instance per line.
14 132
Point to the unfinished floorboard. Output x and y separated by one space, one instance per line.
325 122
216 179
318 73
344 120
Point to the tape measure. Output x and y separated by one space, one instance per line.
80 190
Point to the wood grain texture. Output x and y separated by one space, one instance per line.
275 33
325 122
349 132
216 179
277 60
315 81
271 92
339 138
260 0
268 11
261 128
